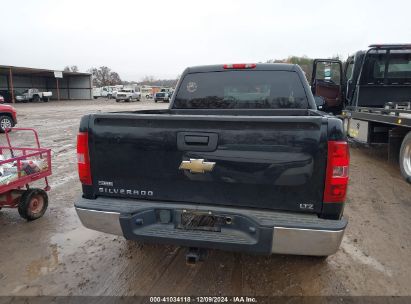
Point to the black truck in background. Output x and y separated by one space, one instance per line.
372 93
242 160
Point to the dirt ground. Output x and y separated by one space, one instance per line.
56 255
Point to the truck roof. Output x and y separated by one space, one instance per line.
259 67
391 46
383 47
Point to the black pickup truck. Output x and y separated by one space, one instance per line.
242 160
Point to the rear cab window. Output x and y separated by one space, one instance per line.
382 67
241 90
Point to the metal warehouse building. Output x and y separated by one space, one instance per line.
63 85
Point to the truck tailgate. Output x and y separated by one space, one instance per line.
275 162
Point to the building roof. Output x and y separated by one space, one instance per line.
5 69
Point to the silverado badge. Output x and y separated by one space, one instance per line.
197 165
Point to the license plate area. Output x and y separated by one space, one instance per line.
195 220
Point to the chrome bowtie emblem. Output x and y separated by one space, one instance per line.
197 165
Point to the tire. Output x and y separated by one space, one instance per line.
36 98
117 100
405 157
33 204
155 100
109 96
95 97
46 99
5 122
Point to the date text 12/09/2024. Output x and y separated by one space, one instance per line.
206 299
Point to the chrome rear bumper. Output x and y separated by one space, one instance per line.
306 241
280 240
108 222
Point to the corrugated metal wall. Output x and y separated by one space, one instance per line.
80 87
71 87
3 82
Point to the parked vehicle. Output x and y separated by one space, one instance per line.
1 99
34 95
128 95
164 95
8 96
8 117
376 90
106 92
147 92
242 160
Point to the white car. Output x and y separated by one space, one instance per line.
128 95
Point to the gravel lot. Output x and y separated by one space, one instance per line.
56 255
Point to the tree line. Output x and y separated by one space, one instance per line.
104 76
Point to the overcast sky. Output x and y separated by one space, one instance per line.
161 38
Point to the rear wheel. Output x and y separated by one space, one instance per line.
33 204
5 123
36 98
117 100
405 157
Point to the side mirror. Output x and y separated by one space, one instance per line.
319 101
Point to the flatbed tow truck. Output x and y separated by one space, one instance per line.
375 89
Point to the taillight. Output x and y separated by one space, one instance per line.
336 179
239 66
83 159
